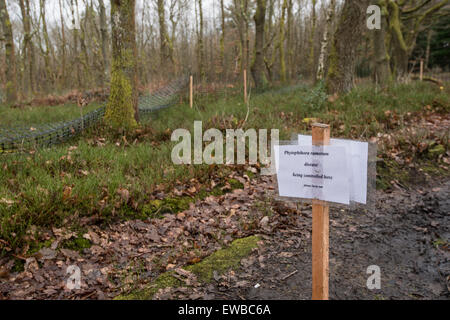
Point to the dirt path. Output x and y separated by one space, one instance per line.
407 235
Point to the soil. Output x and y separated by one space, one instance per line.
406 234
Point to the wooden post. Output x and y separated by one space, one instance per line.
191 92
421 69
320 229
245 85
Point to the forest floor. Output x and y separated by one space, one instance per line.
406 234
99 206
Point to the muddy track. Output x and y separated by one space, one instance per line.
407 235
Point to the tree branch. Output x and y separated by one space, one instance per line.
420 6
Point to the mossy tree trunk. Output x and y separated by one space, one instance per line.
165 41
342 59
122 108
258 62
381 57
11 77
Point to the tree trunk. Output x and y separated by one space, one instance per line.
88 77
281 42
201 49
289 36
240 10
428 49
325 41
122 108
11 77
222 36
63 47
342 59
166 54
75 43
28 52
104 39
258 63
269 59
382 70
311 58
48 51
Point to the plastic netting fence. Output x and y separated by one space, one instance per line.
17 139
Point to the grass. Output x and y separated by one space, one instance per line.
82 178
34 116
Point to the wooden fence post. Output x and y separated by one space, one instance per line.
421 69
191 92
320 229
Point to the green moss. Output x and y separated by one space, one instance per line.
235 184
77 244
388 171
250 174
440 243
432 169
36 246
166 280
224 259
120 109
19 265
437 151
220 261
156 208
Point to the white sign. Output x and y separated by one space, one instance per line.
312 172
357 158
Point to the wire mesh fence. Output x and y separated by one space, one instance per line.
18 139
